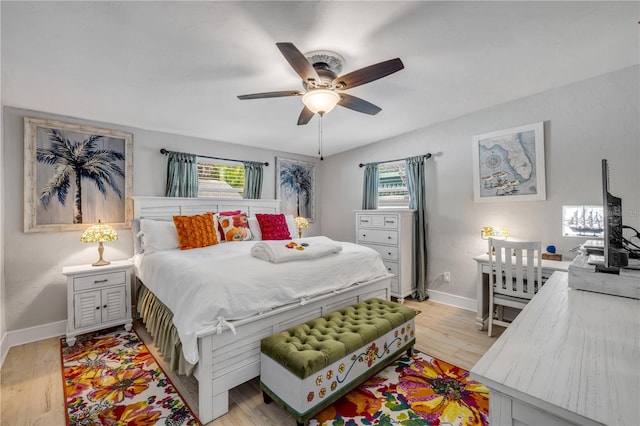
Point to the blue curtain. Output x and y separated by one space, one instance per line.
370 187
253 172
182 175
416 185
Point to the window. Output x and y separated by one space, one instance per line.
220 180
392 185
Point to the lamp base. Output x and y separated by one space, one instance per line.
101 261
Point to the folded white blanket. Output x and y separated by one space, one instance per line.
299 249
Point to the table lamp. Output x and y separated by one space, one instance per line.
494 232
99 233
301 223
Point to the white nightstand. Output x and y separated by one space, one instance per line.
98 297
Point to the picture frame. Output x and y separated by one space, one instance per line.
55 198
508 165
295 187
583 221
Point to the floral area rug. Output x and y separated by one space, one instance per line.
420 390
111 378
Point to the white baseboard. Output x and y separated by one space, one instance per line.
31 334
453 300
4 348
54 329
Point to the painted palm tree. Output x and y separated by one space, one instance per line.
79 161
296 179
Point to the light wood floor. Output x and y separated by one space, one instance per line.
31 391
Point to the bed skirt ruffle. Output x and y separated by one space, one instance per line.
158 321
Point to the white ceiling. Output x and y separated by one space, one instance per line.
178 66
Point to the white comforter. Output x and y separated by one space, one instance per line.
208 286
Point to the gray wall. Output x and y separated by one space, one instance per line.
583 123
35 287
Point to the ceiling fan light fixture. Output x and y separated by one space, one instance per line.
320 101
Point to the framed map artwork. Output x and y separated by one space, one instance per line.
508 165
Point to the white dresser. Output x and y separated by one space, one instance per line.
571 357
391 233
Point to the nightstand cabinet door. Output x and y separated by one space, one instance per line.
98 297
87 309
390 232
113 304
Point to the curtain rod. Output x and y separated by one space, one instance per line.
165 152
427 156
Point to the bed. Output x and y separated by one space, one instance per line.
226 344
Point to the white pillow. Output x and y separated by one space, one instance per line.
254 227
291 224
158 235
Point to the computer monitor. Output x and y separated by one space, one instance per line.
615 255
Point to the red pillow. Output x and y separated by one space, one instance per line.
273 226
220 230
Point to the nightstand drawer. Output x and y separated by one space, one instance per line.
378 236
98 280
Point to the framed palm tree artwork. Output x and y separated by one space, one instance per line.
76 175
295 187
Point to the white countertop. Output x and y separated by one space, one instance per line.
571 352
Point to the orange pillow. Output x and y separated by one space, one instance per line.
195 231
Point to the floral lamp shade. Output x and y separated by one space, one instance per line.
494 232
301 223
99 233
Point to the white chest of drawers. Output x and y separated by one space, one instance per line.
391 233
97 297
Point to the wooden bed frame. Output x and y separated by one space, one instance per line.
227 360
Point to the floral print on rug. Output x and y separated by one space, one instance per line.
420 390
111 378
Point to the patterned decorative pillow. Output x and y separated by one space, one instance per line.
235 228
220 230
195 231
273 226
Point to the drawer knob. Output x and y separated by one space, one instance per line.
364 235
389 269
389 253
104 306
97 308
389 237
100 281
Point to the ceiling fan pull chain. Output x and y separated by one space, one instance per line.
320 137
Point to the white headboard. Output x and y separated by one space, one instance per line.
164 208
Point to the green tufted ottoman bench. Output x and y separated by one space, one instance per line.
308 367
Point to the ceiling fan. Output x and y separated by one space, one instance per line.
324 89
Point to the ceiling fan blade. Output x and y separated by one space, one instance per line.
368 74
305 116
298 61
358 104
272 94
